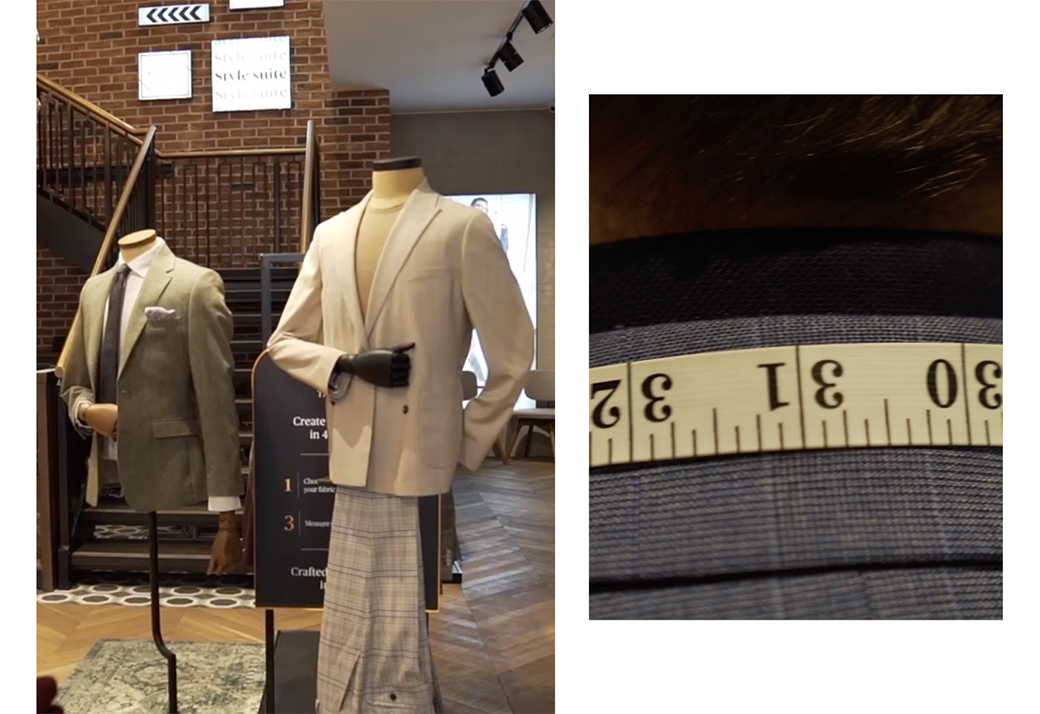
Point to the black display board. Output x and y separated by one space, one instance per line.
294 498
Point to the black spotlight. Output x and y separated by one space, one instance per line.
492 83
536 16
510 57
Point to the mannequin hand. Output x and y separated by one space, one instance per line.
383 368
227 546
102 418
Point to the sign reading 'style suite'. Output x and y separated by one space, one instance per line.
250 74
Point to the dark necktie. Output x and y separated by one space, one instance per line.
108 367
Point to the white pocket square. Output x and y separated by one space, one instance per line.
159 314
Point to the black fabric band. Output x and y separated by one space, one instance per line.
793 271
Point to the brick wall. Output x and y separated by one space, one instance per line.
91 48
57 291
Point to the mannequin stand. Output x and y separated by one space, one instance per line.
153 581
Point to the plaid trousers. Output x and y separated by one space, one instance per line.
374 653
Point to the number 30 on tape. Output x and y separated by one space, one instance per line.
794 398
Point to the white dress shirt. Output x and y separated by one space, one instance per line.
139 267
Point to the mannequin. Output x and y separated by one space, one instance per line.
392 183
154 342
103 420
409 267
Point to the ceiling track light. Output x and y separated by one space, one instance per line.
509 56
537 17
539 20
492 83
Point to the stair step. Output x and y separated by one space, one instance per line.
254 346
182 557
118 513
256 317
285 271
251 295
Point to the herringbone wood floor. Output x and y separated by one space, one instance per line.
493 640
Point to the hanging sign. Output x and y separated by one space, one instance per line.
249 4
173 14
250 74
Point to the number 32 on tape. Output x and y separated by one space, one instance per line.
794 398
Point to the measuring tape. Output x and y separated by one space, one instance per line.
795 398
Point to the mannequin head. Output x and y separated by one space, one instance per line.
136 243
393 180
673 164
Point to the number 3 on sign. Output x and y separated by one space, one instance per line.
609 415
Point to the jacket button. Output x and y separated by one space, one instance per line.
405 410
393 697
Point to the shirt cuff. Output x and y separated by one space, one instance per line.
220 504
77 405
339 382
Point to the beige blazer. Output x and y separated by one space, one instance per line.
178 425
442 273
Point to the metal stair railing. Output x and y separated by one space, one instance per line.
83 154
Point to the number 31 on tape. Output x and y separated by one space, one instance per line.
795 398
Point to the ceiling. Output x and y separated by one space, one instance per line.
430 54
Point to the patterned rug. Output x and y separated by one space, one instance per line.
187 590
129 676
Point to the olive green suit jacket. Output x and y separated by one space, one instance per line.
178 440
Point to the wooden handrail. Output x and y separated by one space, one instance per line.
136 132
308 187
110 235
229 152
91 108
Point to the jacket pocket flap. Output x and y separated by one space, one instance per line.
169 428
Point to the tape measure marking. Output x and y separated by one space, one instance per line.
793 398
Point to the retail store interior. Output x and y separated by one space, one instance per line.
230 130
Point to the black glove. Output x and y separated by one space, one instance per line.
383 368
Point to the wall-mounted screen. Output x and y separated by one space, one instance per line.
513 216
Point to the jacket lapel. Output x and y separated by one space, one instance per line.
93 316
350 297
418 211
151 290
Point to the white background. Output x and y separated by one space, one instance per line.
724 667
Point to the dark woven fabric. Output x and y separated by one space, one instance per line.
767 512
749 519
793 271
672 339
973 592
